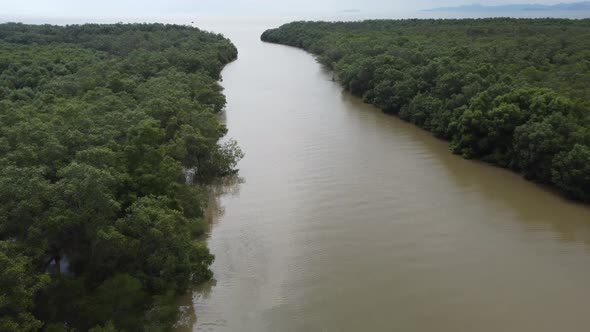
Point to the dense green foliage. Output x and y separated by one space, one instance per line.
98 227
513 92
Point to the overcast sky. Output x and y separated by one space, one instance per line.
160 8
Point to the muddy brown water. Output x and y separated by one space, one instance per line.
346 219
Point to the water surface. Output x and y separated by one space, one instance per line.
351 220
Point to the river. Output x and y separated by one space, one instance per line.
347 219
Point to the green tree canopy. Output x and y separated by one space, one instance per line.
98 227
513 92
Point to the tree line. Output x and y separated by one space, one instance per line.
512 92
98 124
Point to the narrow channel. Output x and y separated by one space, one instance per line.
347 219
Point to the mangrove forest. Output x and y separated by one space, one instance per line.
512 92
108 134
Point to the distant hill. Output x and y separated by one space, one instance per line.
574 6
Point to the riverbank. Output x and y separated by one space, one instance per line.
474 83
100 128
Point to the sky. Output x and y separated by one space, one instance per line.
260 8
